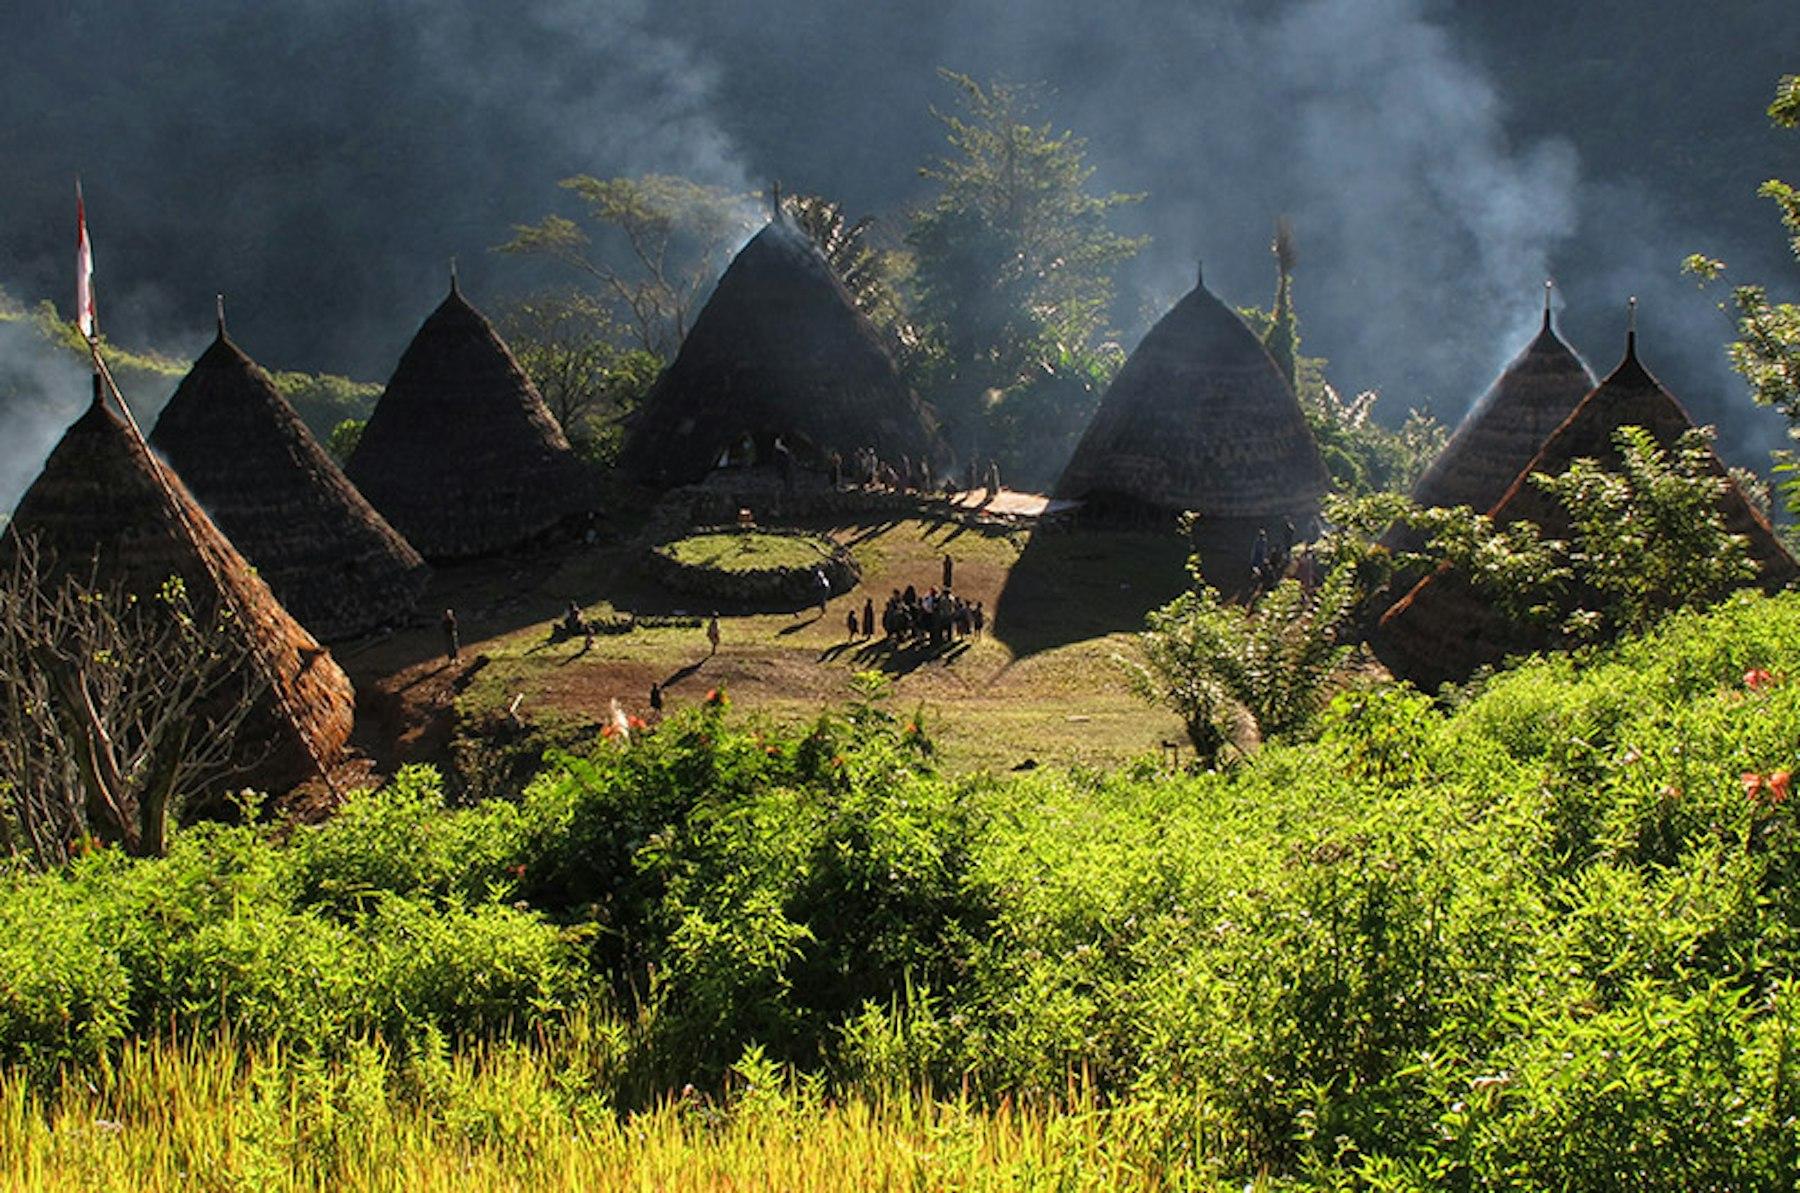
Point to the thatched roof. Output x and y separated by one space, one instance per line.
1504 430
1200 418
1443 630
780 349
102 496
333 562
461 455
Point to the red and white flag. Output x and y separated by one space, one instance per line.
85 317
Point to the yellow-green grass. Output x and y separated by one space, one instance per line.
987 704
211 1117
746 550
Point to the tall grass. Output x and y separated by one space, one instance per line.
216 1116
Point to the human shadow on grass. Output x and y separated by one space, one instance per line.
682 673
893 657
586 646
870 530
425 676
796 627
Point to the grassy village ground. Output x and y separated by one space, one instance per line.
1041 688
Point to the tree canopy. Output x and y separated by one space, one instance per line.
664 240
1014 256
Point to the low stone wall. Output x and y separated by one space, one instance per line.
783 587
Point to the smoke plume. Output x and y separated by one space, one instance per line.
41 393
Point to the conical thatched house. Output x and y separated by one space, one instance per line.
1443 630
333 562
1200 418
102 497
780 349
461 455
1504 430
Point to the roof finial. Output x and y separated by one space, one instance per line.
1631 326
775 200
454 288
219 306
1548 286
1199 273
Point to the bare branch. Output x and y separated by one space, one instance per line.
113 707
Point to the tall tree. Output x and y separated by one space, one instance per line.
1014 257
1283 337
665 239
571 348
1767 352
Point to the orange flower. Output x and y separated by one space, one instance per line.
1756 679
715 697
637 722
609 730
773 751
1777 785
1753 784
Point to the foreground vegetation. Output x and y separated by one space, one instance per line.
502 1119
1542 938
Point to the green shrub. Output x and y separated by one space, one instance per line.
401 840
63 995
1545 938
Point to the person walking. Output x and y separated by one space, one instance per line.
868 620
949 571
712 634
822 586
451 642
656 698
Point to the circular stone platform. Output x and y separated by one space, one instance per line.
744 565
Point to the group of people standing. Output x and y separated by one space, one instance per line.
1271 561
868 470
935 617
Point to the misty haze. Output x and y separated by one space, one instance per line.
320 162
